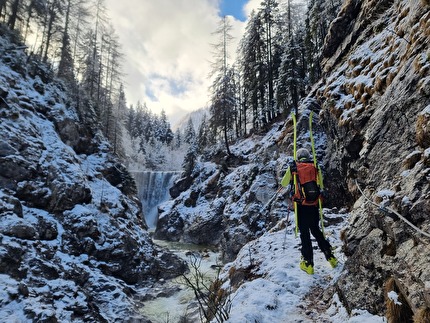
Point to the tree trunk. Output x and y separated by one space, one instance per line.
226 140
49 31
14 14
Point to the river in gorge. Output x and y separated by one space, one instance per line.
173 299
170 301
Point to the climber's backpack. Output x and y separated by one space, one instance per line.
307 191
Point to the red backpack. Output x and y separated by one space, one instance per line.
307 191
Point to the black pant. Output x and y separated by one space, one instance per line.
308 221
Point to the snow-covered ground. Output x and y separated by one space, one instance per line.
277 289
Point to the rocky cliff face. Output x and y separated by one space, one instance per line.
71 229
226 203
375 101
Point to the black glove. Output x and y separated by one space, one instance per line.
324 194
293 167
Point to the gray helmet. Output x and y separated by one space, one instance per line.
303 153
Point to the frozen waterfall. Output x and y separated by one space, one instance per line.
153 189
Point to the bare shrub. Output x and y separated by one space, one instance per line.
213 300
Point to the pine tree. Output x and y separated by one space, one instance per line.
154 157
129 121
14 15
223 103
66 64
293 69
51 26
166 134
120 113
202 135
178 138
90 66
190 160
270 16
190 133
251 64
110 80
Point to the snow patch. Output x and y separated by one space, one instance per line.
386 193
394 297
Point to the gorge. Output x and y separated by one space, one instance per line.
72 229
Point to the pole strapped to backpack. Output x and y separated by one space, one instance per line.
320 181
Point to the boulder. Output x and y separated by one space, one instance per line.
18 228
205 230
118 176
10 204
76 135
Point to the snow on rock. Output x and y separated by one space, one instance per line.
394 297
427 157
423 127
226 202
74 245
374 104
385 193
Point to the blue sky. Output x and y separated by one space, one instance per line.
233 8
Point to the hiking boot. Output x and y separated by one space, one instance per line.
306 267
332 261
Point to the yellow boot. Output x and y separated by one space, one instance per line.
331 258
306 267
332 261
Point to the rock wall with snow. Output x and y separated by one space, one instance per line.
74 246
375 101
225 203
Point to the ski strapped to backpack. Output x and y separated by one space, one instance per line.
295 175
307 178
320 178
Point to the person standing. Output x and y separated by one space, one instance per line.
305 192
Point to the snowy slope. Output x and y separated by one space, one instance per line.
276 290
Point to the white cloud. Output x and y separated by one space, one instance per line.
167 47
252 5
